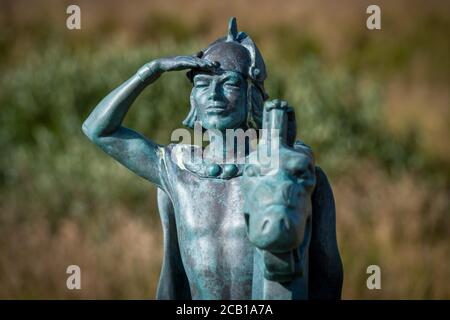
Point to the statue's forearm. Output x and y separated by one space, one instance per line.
108 115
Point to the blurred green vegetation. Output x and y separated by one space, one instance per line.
50 79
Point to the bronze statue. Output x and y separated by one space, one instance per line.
233 228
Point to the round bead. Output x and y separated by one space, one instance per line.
251 170
213 170
230 170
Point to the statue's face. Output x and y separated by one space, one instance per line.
220 99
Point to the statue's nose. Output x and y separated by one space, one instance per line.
215 92
275 232
276 223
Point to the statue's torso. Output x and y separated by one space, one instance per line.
213 243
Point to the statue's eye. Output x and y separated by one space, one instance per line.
201 84
300 174
297 173
296 166
232 84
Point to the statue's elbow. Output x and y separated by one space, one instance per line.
88 131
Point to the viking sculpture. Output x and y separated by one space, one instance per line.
233 228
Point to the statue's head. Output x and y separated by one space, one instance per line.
232 95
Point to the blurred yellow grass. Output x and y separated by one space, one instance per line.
123 265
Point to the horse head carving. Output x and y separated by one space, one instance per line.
277 188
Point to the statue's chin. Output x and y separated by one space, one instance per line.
221 123
281 267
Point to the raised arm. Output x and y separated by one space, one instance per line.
104 124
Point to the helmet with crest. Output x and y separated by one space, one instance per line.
237 52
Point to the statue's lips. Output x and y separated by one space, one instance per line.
216 108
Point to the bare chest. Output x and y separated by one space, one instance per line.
212 236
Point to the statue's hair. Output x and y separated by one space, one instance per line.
255 107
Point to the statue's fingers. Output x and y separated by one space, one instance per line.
201 64
278 124
291 126
198 54
284 104
275 122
